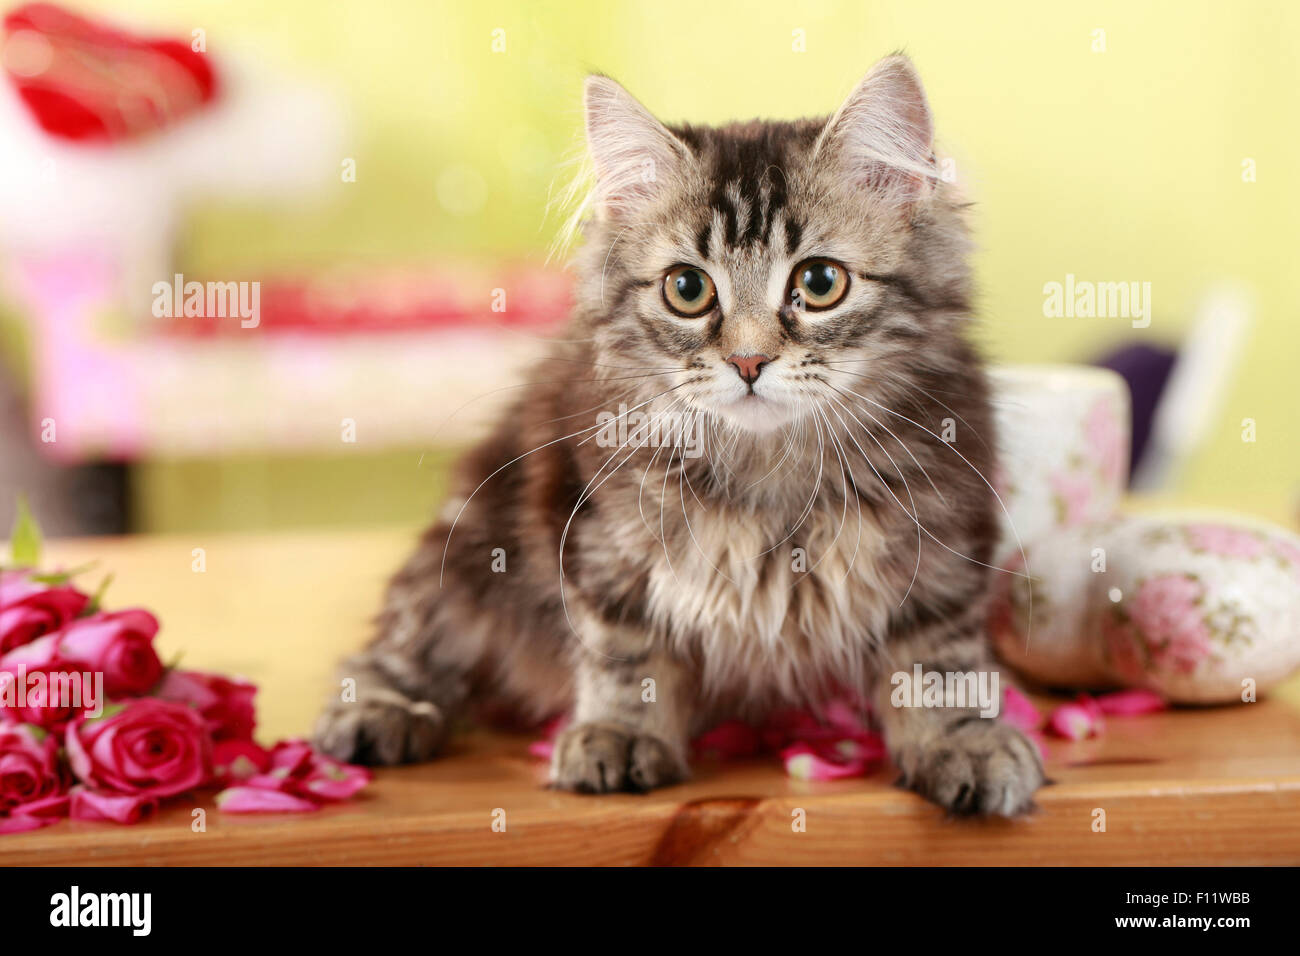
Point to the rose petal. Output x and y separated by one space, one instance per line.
1072 721
115 807
542 749
238 760
258 800
1019 711
20 823
803 763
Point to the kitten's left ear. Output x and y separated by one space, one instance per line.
635 155
882 136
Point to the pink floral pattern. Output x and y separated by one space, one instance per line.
1165 619
1225 541
1289 554
1073 496
1104 436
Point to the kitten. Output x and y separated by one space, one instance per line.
782 307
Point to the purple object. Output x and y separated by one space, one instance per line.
1146 369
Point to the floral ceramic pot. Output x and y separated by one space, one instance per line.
1201 608
1063 445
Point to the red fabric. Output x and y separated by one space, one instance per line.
90 82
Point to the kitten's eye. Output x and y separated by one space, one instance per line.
819 283
689 291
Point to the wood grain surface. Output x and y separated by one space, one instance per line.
1196 786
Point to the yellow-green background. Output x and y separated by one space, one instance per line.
1122 165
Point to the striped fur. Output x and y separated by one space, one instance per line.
828 536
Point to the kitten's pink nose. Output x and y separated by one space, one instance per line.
748 367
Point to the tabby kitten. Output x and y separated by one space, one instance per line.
792 297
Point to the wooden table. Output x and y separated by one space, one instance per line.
1186 787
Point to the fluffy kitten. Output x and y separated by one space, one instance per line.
791 300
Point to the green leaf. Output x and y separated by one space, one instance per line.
97 601
25 539
110 710
58 578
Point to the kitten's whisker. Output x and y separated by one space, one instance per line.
843 452
1010 521
816 488
681 474
645 474
663 493
903 445
584 497
844 485
450 531
906 487
579 381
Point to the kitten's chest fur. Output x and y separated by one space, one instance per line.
769 613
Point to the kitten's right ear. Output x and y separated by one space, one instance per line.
634 154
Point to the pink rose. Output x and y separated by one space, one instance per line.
147 747
1225 541
226 705
1167 611
32 786
37 686
29 609
119 645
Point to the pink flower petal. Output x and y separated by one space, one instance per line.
1019 711
118 808
804 763
840 713
1088 703
238 760
21 823
1130 703
542 749
1072 721
259 800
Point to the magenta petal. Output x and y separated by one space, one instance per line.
1019 711
119 808
258 800
841 714
1072 721
55 806
342 785
1088 703
22 823
1130 703
804 763
542 749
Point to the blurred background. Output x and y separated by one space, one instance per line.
385 174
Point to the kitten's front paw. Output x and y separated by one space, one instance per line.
602 758
982 767
387 731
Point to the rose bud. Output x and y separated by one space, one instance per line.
30 609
